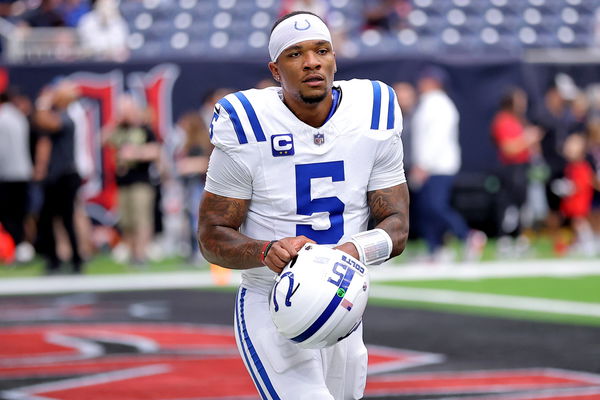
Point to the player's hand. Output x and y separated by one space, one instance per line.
349 248
283 250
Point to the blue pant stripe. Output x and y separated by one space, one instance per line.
245 337
242 339
256 127
235 120
376 105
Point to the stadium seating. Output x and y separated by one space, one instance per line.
478 27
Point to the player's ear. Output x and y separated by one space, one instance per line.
274 71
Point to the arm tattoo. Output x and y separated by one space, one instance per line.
389 209
218 233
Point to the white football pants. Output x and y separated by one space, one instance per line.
281 370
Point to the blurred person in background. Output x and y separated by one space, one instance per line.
15 174
46 15
576 204
36 194
555 120
56 168
407 99
191 164
594 159
386 15
73 10
136 149
104 32
517 142
436 159
580 113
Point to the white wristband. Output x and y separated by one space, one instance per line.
374 246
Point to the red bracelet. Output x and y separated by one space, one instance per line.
262 252
265 250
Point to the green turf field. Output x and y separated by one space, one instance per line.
585 290
103 265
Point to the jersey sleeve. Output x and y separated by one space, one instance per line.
222 130
226 177
385 111
229 171
388 169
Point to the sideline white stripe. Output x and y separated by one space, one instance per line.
492 269
109 283
486 300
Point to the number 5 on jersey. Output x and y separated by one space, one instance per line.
306 205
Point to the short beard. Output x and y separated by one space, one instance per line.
313 99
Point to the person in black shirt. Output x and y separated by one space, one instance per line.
136 149
55 168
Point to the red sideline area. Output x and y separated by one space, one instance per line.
176 361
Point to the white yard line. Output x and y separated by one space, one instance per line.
493 269
109 283
485 300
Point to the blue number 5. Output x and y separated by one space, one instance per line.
332 205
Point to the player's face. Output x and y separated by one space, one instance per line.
306 70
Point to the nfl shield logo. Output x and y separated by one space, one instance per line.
319 138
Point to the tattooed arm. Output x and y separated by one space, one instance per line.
221 242
389 208
218 233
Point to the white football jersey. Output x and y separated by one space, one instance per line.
303 180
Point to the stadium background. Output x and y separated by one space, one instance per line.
434 331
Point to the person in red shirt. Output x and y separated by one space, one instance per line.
517 143
576 205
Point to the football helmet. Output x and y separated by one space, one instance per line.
319 297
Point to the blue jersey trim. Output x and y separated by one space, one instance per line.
212 123
334 104
258 131
245 337
376 105
235 120
329 310
391 108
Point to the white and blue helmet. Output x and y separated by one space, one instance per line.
319 298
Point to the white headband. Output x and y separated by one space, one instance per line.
294 30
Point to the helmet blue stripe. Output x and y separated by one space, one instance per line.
329 310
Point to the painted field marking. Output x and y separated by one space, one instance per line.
492 269
481 381
386 272
550 394
485 300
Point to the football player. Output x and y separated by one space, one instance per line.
309 161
